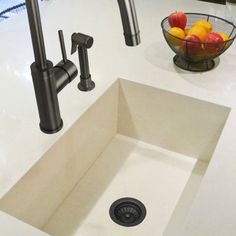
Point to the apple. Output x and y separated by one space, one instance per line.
214 43
192 45
177 19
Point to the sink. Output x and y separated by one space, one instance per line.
134 141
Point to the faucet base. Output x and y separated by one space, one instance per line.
53 131
86 84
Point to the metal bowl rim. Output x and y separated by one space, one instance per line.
201 14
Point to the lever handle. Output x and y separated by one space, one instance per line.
62 44
65 71
80 40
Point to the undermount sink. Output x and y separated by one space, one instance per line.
135 141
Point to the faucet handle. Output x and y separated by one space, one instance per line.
80 40
62 44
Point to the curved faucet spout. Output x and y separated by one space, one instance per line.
129 22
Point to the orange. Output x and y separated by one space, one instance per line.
205 24
178 34
224 36
199 31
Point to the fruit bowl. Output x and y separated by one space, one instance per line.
198 55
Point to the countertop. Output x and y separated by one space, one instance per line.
21 142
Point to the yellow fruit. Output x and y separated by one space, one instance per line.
178 34
205 24
198 31
224 36
186 31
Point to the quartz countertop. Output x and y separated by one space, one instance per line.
21 142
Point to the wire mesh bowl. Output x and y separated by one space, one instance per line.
198 56
12 11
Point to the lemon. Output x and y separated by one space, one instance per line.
224 36
203 23
198 31
178 34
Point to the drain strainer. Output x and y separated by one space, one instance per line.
127 212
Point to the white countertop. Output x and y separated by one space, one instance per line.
22 143
11 226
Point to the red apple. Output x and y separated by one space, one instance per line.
192 45
214 43
177 19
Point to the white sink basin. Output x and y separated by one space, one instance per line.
135 141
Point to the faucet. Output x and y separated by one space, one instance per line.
49 80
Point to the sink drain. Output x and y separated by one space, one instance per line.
127 212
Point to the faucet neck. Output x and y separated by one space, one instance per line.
36 33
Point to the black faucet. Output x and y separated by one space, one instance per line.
49 80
